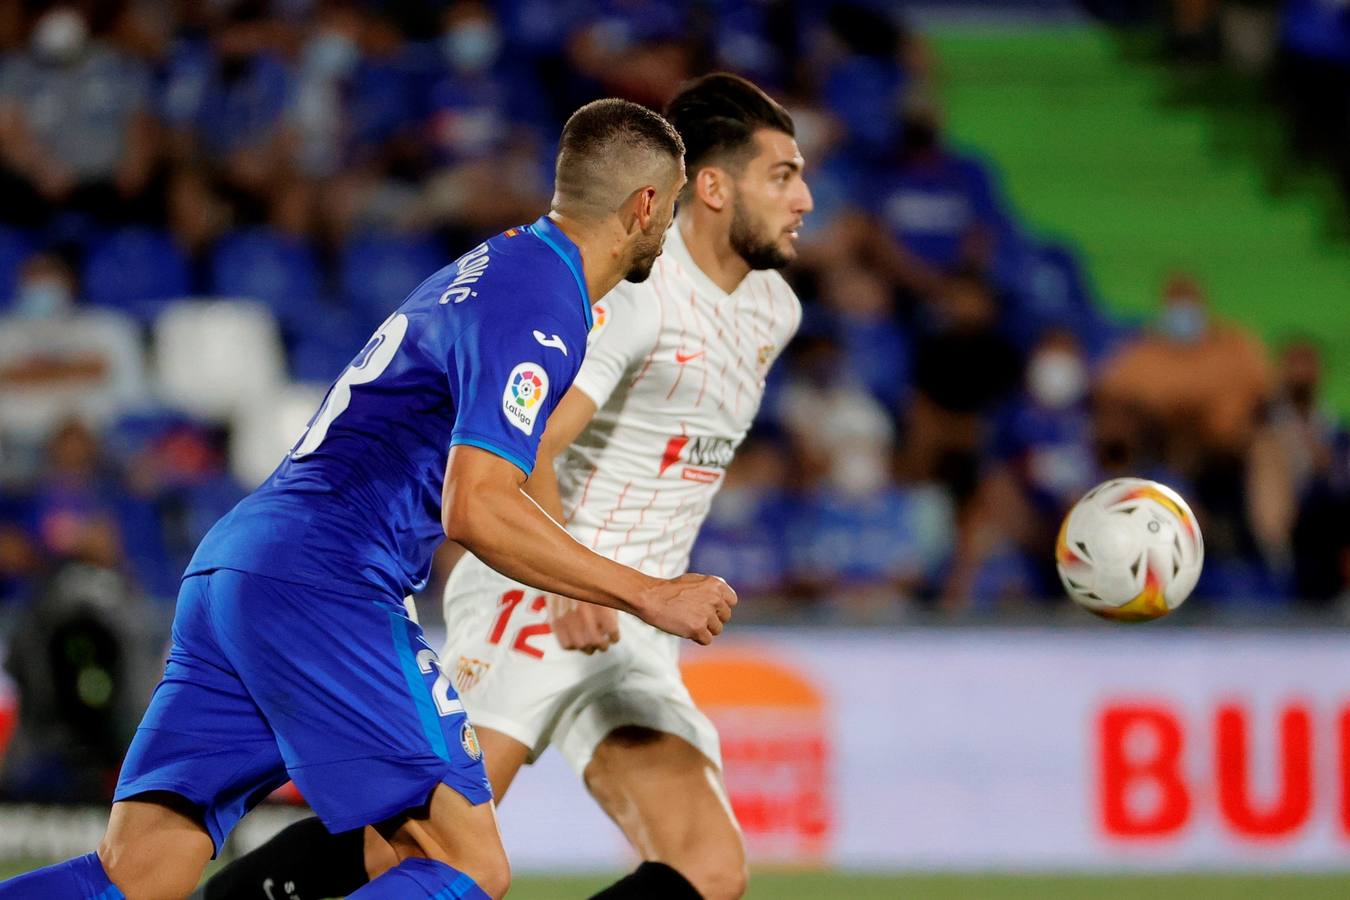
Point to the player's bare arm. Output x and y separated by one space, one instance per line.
484 508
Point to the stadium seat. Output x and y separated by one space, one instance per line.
15 247
379 270
213 357
263 264
137 270
264 432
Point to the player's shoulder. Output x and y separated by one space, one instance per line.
501 265
633 302
513 275
775 283
630 314
781 294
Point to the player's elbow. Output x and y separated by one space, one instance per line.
459 516
468 513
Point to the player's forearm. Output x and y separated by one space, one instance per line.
511 533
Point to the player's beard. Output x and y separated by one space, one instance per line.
748 240
645 251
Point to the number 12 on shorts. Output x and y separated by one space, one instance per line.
507 604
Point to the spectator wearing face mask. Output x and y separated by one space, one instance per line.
1045 433
58 360
1197 376
360 96
485 127
75 127
1041 463
860 542
1201 385
360 91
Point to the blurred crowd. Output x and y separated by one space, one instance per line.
297 166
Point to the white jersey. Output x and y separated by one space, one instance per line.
676 367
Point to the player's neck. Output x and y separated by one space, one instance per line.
601 261
711 251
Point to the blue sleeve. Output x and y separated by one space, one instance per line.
507 375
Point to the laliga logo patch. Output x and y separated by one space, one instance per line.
599 319
468 739
526 388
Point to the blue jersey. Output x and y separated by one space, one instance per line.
478 354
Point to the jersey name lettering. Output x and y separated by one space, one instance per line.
472 265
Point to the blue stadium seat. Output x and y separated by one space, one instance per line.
15 247
278 270
378 271
137 270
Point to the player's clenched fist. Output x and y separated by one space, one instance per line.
587 627
691 606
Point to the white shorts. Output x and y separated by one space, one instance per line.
513 677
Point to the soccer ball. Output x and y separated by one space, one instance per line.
1130 550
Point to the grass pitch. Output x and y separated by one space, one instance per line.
837 886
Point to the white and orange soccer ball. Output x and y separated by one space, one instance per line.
1130 550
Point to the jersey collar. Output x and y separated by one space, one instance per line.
545 229
679 254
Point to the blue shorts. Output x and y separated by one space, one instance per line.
269 680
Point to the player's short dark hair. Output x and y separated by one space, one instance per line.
607 142
717 117
599 124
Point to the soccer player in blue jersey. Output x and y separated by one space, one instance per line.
293 656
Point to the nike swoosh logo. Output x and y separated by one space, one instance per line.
551 341
682 358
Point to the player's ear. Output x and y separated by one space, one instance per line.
642 203
712 187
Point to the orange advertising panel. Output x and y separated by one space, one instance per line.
775 751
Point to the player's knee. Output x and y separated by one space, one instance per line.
488 868
493 877
718 875
137 876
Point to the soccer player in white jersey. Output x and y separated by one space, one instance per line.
673 377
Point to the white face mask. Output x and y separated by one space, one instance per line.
60 36
858 471
331 55
1185 321
42 298
472 47
1057 378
